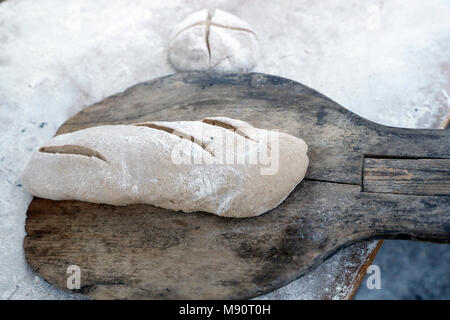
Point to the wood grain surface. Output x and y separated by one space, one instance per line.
145 252
407 176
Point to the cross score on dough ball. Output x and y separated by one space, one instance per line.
219 41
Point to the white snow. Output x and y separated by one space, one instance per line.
387 61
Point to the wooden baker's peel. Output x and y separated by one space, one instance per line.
364 181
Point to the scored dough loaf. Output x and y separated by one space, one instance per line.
151 163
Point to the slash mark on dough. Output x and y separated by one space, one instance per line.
73 149
177 133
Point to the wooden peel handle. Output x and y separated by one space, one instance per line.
413 189
425 218
407 176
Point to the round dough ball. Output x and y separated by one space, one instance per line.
220 42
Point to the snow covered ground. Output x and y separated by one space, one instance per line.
387 61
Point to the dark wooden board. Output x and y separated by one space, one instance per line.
146 252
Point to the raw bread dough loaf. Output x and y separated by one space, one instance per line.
218 41
206 165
